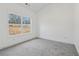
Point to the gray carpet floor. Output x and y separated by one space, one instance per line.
40 47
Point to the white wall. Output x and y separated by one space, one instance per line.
76 26
56 22
5 39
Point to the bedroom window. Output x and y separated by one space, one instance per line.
18 25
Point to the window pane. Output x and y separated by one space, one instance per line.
26 29
26 20
14 29
14 19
